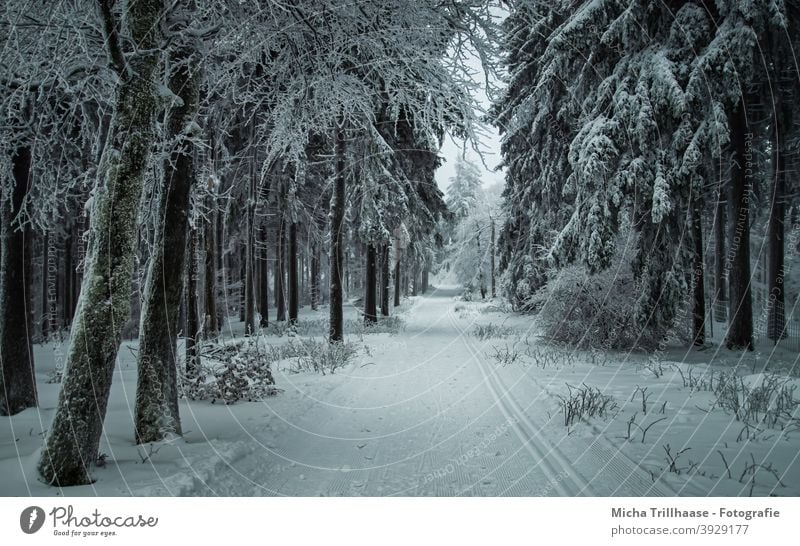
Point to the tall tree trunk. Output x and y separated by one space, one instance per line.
336 326
280 270
776 318
192 318
492 246
720 282
74 436
314 277
45 326
370 285
156 413
250 257
263 307
740 328
385 280
698 278
242 278
69 277
17 380
211 328
397 282
294 295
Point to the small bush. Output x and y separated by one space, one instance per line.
770 402
314 355
505 355
490 330
583 402
230 373
594 311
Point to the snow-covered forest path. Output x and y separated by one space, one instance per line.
426 414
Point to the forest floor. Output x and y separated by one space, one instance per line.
463 399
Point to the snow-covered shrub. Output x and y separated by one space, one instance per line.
231 372
595 311
490 330
315 355
770 401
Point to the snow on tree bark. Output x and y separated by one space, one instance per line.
72 442
156 413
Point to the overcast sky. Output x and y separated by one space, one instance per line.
490 139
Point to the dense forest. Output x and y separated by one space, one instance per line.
169 168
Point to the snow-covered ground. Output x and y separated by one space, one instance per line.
436 410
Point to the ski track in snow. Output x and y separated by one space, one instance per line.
433 418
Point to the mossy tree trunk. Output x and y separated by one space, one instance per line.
73 439
156 412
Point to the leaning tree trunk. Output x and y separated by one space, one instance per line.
74 436
17 380
720 288
336 326
740 328
698 278
370 285
156 412
385 281
776 318
294 296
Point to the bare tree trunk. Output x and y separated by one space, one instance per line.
211 329
776 319
192 318
74 436
17 379
492 264
720 283
294 295
336 326
264 295
740 328
314 277
698 278
385 280
397 282
250 259
370 285
280 270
